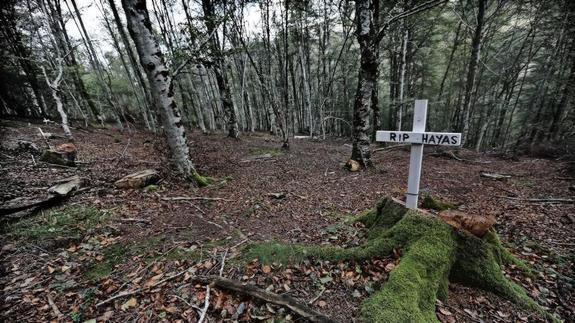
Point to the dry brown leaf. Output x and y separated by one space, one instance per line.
132 302
266 269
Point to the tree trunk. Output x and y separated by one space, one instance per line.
367 78
151 110
159 78
471 71
219 68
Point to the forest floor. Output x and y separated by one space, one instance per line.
60 263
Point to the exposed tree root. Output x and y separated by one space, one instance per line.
433 254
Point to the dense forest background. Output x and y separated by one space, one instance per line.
502 72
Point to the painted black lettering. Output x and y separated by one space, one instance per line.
445 140
424 138
432 140
392 136
405 136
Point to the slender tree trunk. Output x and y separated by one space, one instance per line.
471 71
367 79
219 69
152 60
54 86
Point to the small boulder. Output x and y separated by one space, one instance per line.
139 179
476 225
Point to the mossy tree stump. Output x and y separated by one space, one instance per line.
433 253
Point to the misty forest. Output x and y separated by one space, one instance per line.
287 161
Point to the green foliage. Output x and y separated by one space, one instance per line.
151 188
113 255
274 152
68 222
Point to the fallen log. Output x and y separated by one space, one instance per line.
62 190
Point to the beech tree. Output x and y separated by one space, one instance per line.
161 86
499 71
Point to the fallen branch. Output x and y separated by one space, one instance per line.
189 198
451 154
206 305
545 200
391 147
239 287
283 300
55 308
137 220
62 190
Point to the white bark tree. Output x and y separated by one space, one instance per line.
54 87
161 86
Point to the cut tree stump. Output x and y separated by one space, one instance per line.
139 179
64 154
433 254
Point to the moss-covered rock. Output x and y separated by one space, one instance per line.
433 253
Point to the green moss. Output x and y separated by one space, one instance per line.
150 188
113 255
436 204
433 254
274 152
68 222
478 265
202 181
410 293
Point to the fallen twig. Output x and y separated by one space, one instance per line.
206 305
187 198
138 220
545 200
317 297
391 147
223 262
55 308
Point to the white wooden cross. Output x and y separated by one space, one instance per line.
417 138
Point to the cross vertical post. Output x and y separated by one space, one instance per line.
416 157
